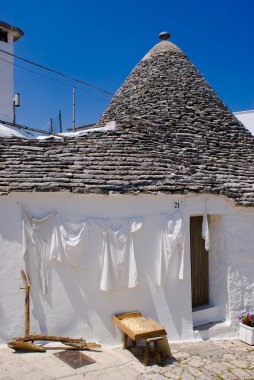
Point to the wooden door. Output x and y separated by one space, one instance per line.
199 264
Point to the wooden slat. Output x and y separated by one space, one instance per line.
151 328
132 314
199 264
123 327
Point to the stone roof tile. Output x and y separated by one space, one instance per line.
132 159
173 135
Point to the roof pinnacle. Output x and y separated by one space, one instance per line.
164 36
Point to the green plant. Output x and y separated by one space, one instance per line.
246 318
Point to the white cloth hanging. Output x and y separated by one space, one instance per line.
205 231
118 268
172 242
37 239
70 243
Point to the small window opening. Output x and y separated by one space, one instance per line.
3 36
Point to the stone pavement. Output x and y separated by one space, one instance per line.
195 360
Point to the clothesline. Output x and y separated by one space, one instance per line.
175 210
52 238
181 206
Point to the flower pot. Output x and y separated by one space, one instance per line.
246 334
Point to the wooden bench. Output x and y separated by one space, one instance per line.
156 349
137 327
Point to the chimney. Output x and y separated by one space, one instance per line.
8 35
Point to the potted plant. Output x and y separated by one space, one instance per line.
246 320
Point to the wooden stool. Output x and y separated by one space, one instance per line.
156 349
125 341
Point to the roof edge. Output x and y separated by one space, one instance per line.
16 32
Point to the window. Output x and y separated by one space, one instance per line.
3 36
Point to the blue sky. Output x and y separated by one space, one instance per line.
101 41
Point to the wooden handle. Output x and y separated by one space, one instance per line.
27 303
26 282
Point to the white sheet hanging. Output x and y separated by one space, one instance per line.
172 242
205 231
70 243
119 268
37 239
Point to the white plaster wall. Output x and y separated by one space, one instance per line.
240 245
75 306
6 81
231 260
247 118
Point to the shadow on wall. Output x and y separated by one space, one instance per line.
166 303
81 300
95 307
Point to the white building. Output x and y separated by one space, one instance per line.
8 36
247 118
176 153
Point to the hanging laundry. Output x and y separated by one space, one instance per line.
37 239
118 268
205 231
172 242
70 243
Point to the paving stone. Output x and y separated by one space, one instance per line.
212 368
220 366
119 373
181 355
242 374
195 372
121 364
195 363
174 373
187 376
249 357
177 370
171 375
227 343
241 363
228 364
156 376
228 357
206 361
228 376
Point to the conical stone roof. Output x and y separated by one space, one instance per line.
165 87
173 136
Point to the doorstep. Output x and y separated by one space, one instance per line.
215 330
206 314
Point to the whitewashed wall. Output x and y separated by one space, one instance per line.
247 118
6 80
75 306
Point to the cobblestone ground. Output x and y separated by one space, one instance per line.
202 360
226 360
